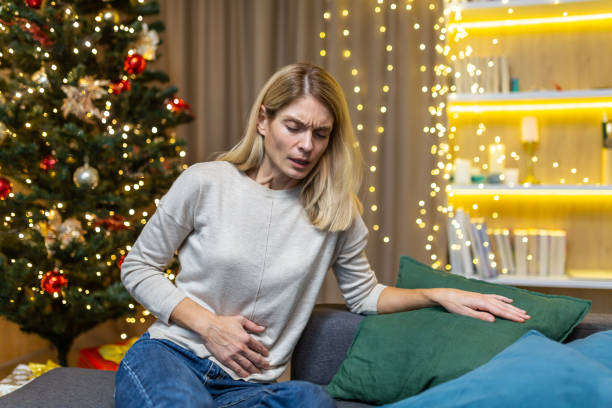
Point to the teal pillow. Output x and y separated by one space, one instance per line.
531 373
395 356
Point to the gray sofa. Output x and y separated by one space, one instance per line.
317 357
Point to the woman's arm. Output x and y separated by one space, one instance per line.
142 272
477 305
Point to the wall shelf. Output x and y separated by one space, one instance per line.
492 190
554 282
597 100
528 13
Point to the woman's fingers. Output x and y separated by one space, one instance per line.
246 363
499 306
502 298
482 315
256 358
237 368
258 347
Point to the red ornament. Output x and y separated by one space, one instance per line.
53 281
48 163
177 105
120 261
34 3
37 33
114 223
5 188
134 63
120 86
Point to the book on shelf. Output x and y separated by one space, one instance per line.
557 251
489 258
532 252
470 251
478 256
521 242
459 245
543 249
503 249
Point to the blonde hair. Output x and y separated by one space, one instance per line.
329 192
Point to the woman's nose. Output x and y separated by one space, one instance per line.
306 142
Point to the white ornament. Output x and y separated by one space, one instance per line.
86 176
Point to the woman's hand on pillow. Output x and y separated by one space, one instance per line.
480 306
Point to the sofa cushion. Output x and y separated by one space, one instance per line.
65 387
533 371
395 356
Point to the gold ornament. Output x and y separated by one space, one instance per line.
68 12
49 229
54 229
3 132
147 43
110 15
40 76
79 100
69 230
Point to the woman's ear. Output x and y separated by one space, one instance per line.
262 121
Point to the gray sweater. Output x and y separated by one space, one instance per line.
244 250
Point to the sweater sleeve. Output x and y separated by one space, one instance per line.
142 271
356 279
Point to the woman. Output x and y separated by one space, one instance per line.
256 232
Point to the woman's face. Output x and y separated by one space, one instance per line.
294 140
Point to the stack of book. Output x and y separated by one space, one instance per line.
476 252
470 248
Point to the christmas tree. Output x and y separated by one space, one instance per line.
87 144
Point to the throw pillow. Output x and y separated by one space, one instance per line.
395 356
532 372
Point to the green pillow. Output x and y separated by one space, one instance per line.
395 356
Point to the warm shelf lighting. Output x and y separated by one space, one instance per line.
531 101
476 25
549 190
482 16
526 107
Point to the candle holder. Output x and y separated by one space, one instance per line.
530 148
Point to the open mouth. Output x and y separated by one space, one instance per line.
301 163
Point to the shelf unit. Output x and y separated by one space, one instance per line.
549 44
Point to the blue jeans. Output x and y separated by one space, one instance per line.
159 373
